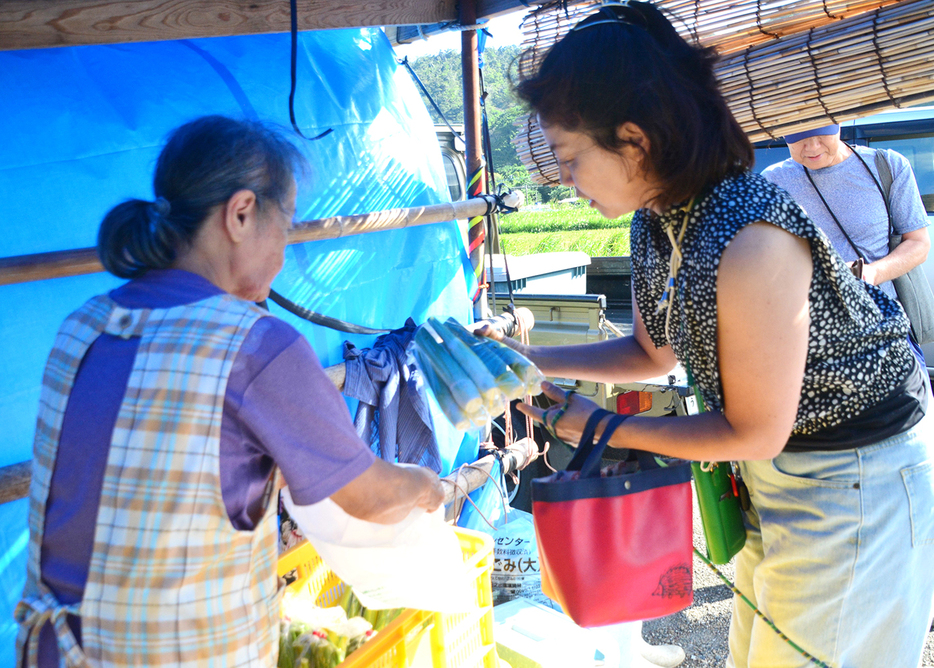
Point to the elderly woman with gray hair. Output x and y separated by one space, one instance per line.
169 407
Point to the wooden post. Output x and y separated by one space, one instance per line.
476 172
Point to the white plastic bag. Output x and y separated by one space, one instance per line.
417 563
516 571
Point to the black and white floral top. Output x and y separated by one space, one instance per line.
858 355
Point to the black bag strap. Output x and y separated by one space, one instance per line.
884 173
859 253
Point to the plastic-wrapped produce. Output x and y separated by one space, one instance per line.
315 637
506 379
457 416
473 366
528 373
471 377
449 372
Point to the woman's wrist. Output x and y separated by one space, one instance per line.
523 349
616 440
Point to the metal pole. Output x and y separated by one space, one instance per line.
476 181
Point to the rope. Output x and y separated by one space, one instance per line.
294 68
534 155
467 495
759 22
752 94
476 233
758 612
323 320
827 11
674 265
431 100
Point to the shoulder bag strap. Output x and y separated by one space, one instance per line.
885 188
859 253
885 173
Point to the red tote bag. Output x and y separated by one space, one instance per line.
615 548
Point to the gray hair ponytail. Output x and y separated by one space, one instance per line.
201 166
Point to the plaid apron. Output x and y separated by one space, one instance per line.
171 582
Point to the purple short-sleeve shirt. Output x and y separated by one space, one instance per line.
280 409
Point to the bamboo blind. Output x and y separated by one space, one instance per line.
867 63
882 56
728 25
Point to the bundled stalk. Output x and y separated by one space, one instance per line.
462 421
449 356
475 369
448 372
506 379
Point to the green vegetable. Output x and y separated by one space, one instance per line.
449 372
385 617
493 398
286 653
370 616
507 381
346 600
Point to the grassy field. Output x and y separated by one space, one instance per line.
569 228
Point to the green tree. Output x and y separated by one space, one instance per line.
441 75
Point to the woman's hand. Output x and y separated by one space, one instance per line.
432 495
487 330
567 418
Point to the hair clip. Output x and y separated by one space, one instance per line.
616 20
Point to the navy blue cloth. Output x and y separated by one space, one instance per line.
393 415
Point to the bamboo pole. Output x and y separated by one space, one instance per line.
59 264
15 479
473 476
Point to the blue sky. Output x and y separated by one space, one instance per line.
504 30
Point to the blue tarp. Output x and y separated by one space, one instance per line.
82 127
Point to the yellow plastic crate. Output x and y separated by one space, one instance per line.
461 640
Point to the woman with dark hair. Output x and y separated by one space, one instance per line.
805 372
168 408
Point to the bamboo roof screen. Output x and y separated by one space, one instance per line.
882 56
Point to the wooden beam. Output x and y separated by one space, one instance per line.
33 24
489 9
